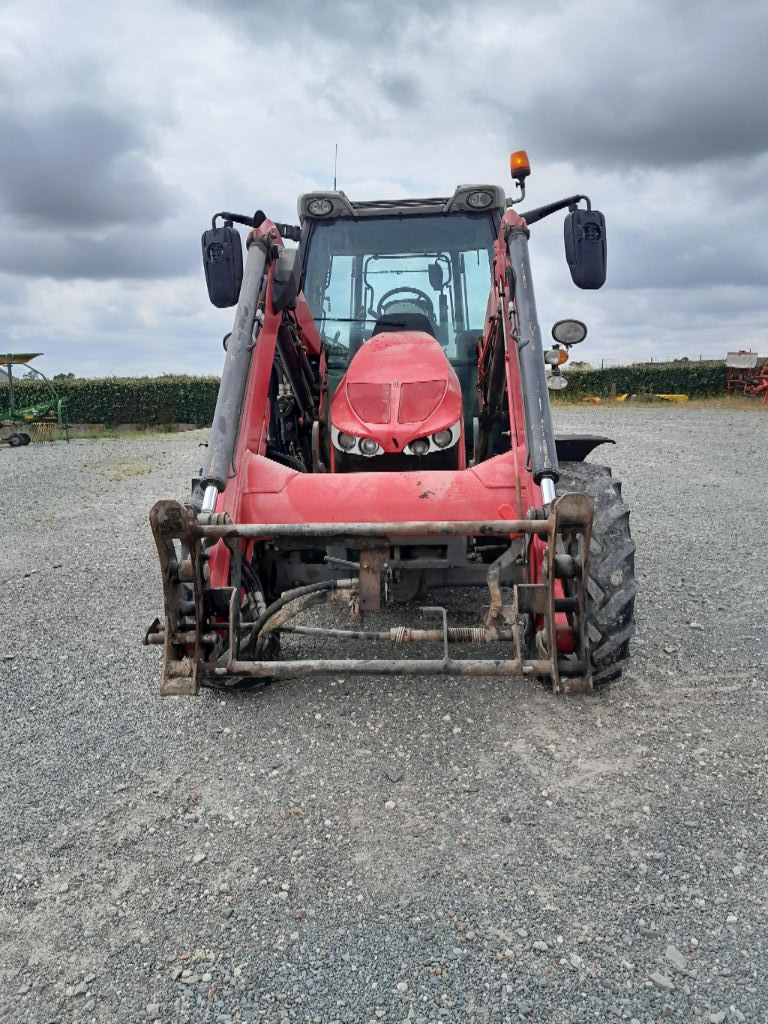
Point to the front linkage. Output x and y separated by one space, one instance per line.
212 633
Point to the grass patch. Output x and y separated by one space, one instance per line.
124 468
740 403
103 433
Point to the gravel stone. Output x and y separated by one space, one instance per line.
676 958
121 789
662 981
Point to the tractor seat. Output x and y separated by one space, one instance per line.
404 322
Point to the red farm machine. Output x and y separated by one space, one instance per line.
383 430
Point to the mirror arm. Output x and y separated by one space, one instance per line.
240 218
540 212
287 231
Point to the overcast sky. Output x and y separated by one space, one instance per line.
123 128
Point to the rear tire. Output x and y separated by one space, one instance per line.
612 587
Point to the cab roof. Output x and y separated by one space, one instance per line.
466 199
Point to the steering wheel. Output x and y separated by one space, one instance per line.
420 298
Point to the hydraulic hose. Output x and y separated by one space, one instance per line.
293 595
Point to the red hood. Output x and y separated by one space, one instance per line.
399 386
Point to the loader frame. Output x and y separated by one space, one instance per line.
209 649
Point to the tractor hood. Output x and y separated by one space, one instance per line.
399 387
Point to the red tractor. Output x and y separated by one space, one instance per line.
382 430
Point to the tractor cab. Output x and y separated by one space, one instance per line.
399 293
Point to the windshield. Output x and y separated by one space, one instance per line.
439 267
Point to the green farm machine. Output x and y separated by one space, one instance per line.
17 415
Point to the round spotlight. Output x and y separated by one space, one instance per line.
347 442
320 207
479 200
442 438
419 447
368 446
569 332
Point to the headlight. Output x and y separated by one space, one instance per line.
479 200
320 207
442 438
419 447
346 442
368 446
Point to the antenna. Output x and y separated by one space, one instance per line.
335 162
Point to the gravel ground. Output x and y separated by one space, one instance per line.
384 850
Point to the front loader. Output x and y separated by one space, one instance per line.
382 431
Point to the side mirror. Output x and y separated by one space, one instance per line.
585 248
435 274
223 265
286 283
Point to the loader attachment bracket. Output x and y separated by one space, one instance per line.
204 641
373 564
171 527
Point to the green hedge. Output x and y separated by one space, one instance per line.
182 399
697 380
145 400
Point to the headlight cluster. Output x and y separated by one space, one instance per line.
479 200
320 207
437 442
367 446
359 445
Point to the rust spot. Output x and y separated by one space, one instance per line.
426 494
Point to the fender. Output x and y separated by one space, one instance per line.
576 447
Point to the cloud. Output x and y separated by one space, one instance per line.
151 251
695 258
632 85
401 89
338 24
79 198
78 166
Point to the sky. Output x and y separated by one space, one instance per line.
124 128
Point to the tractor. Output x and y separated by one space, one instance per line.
383 430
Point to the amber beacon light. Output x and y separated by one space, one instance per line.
519 165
